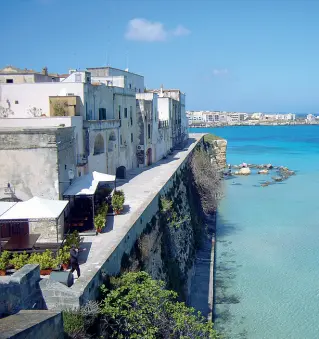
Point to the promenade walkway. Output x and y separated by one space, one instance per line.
140 188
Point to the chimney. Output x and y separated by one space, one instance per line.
45 70
162 89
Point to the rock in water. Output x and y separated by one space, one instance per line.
264 171
244 171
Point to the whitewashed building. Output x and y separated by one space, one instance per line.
171 108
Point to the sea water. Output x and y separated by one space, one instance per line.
267 247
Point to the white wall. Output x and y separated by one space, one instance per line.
132 81
36 95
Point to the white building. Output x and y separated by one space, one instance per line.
96 103
310 118
118 78
171 108
257 116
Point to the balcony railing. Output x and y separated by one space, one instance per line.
163 124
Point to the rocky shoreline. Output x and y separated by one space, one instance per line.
279 173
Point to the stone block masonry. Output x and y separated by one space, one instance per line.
142 189
32 325
21 291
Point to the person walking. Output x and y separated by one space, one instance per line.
74 254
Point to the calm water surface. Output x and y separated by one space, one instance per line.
267 250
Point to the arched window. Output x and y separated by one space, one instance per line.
98 145
111 143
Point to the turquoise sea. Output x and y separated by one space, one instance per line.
267 246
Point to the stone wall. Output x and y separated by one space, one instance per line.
217 149
151 244
21 291
32 325
24 153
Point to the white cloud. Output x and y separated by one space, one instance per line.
145 30
181 30
220 71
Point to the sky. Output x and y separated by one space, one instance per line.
233 55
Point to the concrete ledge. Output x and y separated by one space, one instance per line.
32 325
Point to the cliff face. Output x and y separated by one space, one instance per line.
219 148
167 247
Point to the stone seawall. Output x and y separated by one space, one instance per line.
113 251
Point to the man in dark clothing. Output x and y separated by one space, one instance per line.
74 253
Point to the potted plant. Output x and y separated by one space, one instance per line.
19 260
118 201
63 258
99 222
45 260
4 262
72 239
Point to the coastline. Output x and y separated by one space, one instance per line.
250 123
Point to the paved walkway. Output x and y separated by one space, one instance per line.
140 188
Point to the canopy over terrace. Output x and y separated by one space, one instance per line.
87 185
34 209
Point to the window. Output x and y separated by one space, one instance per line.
78 78
131 137
9 81
119 111
125 112
102 114
16 102
131 115
121 140
130 86
149 131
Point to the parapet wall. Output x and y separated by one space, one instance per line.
58 296
32 325
21 291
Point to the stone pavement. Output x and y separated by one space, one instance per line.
140 188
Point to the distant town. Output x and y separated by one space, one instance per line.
223 118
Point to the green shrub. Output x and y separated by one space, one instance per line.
99 221
73 322
45 260
139 307
118 199
19 260
4 260
63 255
72 239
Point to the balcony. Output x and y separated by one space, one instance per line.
99 125
163 124
81 160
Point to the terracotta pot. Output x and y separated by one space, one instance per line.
46 272
2 273
117 212
65 266
99 230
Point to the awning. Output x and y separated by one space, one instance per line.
35 209
87 184
5 206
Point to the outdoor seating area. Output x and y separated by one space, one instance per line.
89 192
15 218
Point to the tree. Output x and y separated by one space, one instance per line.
139 307
5 112
35 112
207 179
